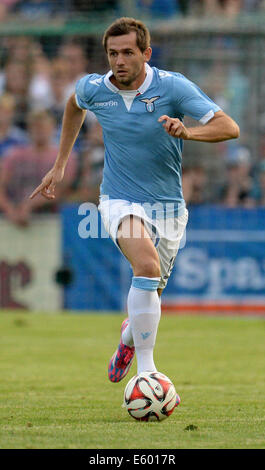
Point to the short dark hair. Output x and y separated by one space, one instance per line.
126 25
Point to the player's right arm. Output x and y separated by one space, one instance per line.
72 121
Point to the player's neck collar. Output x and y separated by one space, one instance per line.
145 85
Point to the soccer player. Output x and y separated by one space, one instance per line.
141 111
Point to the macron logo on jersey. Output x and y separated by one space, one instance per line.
104 104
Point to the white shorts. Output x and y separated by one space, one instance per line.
166 234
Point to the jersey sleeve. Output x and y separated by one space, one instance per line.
80 93
85 90
191 101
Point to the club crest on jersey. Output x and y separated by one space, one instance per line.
149 103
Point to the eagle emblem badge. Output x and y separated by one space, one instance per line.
149 103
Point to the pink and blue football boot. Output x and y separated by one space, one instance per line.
122 359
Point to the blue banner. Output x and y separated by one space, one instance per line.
222 262
96 264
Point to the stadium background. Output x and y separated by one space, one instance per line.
44 263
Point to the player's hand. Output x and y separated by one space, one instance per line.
48 184
174 127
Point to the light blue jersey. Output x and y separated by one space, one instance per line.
142 162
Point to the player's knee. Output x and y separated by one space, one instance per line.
147 268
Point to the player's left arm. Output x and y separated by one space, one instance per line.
219 128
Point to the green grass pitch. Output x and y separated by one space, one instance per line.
54 391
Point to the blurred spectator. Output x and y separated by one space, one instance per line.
74 55
18 48
101 6
28 52
55 103
252 5
91 166
58 84
32 10
229 8
159 8
229 87
258 190
215 85
184 6
40 94
239 92
19 54
236 190
10 135
24 167
5 8
194 183
16 81
218 7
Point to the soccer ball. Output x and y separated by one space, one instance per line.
150 396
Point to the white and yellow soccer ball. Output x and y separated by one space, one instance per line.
150 396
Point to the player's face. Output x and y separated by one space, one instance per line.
127 61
